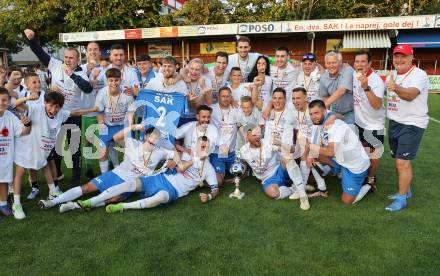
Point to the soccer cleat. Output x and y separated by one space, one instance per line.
68 206
5 210
54 193
362 192
310 188
33 194
304 203
45 204
17 210
408 195
86 205
114 208
397 205
294 196
319 193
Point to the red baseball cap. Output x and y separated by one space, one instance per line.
403 49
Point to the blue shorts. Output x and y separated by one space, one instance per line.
151 185
106 135
351 182
107 180
404 140
222 165
280 177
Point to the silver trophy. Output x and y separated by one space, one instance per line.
237 170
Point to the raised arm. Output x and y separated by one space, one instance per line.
36 48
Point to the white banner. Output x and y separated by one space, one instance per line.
259 28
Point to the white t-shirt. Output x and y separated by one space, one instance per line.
114 107
349 151
303 123
194 87
129 77
253 118
413 112
190 133
157 84
264 160
280 126
88 99
71 91
42 138
310 83
10 129
245 89
138 162
365 115
225 121
245 66
217 82
284 78
187 181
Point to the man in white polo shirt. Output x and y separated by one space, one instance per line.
407 91
369 111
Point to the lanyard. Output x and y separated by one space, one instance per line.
110 100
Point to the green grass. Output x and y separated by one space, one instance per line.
253 236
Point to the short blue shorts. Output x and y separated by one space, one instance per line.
107 180
351 182
151 185
106 134
222 165
280 178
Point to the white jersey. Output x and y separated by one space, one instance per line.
253 118
365 115
129 77
196 90
245 65
263 161
10 129
114 107
280 127
349 152
157 84
71 91
18 113
310 84
413 112
187 181
303 123
88 99
190 133
138 162
225 120
284 78
41 139
245 89
217 82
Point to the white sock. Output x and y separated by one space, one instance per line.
362 192
284 192
103 165
17 199
149 202
52 187
68 195
112 192
324 168
296 176
319 180
113 154
305 170
3 203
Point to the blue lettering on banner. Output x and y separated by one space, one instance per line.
257 28
163 111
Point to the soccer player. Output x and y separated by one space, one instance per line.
264 160
342 150
309 77
238 88
167 81
46 122
262 82
113 106
284 74
243 59
70 80
407 91
225 120
199 87
10 129
164 188
140 158
248 114
218 75
336 87
190 132
144 71
369 111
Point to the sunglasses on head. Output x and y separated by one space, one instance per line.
309 57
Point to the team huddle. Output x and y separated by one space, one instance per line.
290 123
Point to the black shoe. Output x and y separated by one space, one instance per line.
89 174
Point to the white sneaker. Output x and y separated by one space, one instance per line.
17 210
294 196
33 194
68 206
45 204
310 188
54 193
304 203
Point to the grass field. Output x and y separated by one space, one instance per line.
253 236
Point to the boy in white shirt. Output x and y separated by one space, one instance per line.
248 114
10 129
238 88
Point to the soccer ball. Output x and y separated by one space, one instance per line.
237 169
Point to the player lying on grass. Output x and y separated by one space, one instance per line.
140 158
164 188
